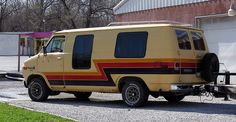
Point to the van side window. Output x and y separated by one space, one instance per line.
56 44
183 39
198 41
82 52
131 45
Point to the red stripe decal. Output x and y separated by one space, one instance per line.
102 75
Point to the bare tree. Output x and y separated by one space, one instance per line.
95 11
50 15
7 7
68 13
38 13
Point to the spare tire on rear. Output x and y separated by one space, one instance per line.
209 67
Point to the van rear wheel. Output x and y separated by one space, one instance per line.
134 94
38 90
82 95
174 98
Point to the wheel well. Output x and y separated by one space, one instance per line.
32 77
125 80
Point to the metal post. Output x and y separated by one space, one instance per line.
19 54
227 78
44 25
227 82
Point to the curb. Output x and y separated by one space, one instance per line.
11 76
14 78
2 74
18 75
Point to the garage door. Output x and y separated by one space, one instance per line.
221 36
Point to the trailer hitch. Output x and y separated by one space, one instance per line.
222 90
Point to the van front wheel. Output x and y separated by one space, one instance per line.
38 90
134 94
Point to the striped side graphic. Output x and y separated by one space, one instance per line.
105 68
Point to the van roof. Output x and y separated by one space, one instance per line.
123 27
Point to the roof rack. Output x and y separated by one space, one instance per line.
148 22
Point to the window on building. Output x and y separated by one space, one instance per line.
131 45
198 41
56 44
82 52
183 39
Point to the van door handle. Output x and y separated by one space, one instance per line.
59 58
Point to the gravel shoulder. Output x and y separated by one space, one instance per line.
109 107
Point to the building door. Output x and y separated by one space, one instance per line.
51 63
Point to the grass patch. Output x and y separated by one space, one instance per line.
13 114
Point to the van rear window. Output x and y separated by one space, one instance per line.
131 45
82 52
183 39
198 41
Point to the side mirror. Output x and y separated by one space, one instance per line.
44 50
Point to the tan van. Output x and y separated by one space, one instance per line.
135 60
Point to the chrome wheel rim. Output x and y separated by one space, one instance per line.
36 90
132 94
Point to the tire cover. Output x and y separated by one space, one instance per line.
209 67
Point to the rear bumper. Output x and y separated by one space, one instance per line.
193 89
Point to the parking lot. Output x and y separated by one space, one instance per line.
109 107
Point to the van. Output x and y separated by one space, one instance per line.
167 60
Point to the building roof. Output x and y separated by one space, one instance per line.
13 33
38 34
126 6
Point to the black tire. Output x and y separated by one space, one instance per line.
209 67
38 90
82 95
134 94
174 98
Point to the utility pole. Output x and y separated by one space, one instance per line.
19 53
